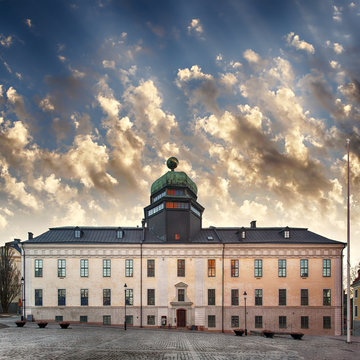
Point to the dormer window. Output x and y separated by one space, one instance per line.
77 233
119 234
286 234
210 238
243 234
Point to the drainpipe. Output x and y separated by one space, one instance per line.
342 293
141 271
23 275
222 278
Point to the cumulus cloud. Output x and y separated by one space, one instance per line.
294 41
6 41
28 23
195 27
337 13
46 105
338 48
62 58
108 64
251 56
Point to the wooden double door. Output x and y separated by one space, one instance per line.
181 318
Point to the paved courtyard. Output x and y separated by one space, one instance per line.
96 342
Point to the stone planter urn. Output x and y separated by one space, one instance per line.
42 324
20 323
239 332
268 333
64 325
297 336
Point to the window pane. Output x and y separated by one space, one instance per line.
327 322
84 297
61 297
304 297
107 320
106 297
282 296
211 296
234 297
326 297
304 322
211 268
129 269
304 268
106 268
181 267
235 321
326 267
84 267
151 296
234 268
258 268
258 296
83 318
61 267
211 321
151 320
258 322
129 297
181 294
282 268
282 322
38 268
151 268
38 297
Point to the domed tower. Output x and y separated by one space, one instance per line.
174 215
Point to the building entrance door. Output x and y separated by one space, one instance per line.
181 318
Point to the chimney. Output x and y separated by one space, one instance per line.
143 222
253 224
30 235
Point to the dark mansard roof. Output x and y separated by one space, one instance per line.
212 235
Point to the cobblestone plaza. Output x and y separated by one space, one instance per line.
102 342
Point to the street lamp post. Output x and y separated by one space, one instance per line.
245 311
22 298
125 286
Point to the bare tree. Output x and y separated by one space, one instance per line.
353 275
9 278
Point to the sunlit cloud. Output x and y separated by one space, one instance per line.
294 40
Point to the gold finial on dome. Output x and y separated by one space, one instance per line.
172 163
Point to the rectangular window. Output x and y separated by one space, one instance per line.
326 267
129 297
304 322
58 318
326 297
258 297
258 268
211 296
106 319
151 319
119 234
84 297
282 296
327 322
356 293
282 268
282 322
235 297
38 297
151 297
151 268
106 267
84 267
129 268
304 294
38 268
106 297
61 297
83 318
304 267
181 267
181 294
234 268
211 267
211 321
234 321
129 320
356 311
258 322
61 267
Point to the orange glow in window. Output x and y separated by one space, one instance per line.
171 192
177 236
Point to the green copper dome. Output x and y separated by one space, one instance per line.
173 178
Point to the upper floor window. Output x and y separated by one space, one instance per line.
282 296
235 268
211 268
176 205
235 297
211 296
38 297
304 294
129 268
151 268
176 192
326 297
106 297
84 297
258 268
195 210
177 236
282 267
77 233
106 267
156 209
119 234
38 268
61 267
181 267
151 296
243 234
157 197
326 267
258 297
304 267
129 297
61 297
356 293
181 294
286 234
84 267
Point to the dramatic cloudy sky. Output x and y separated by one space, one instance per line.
255 98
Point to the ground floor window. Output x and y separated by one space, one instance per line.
38 297
258 322
151 320
83 318
107 320
282 322
327 322
58 318
304 322
129 320
235 321
211 321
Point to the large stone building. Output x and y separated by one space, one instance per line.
356 305
175 273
